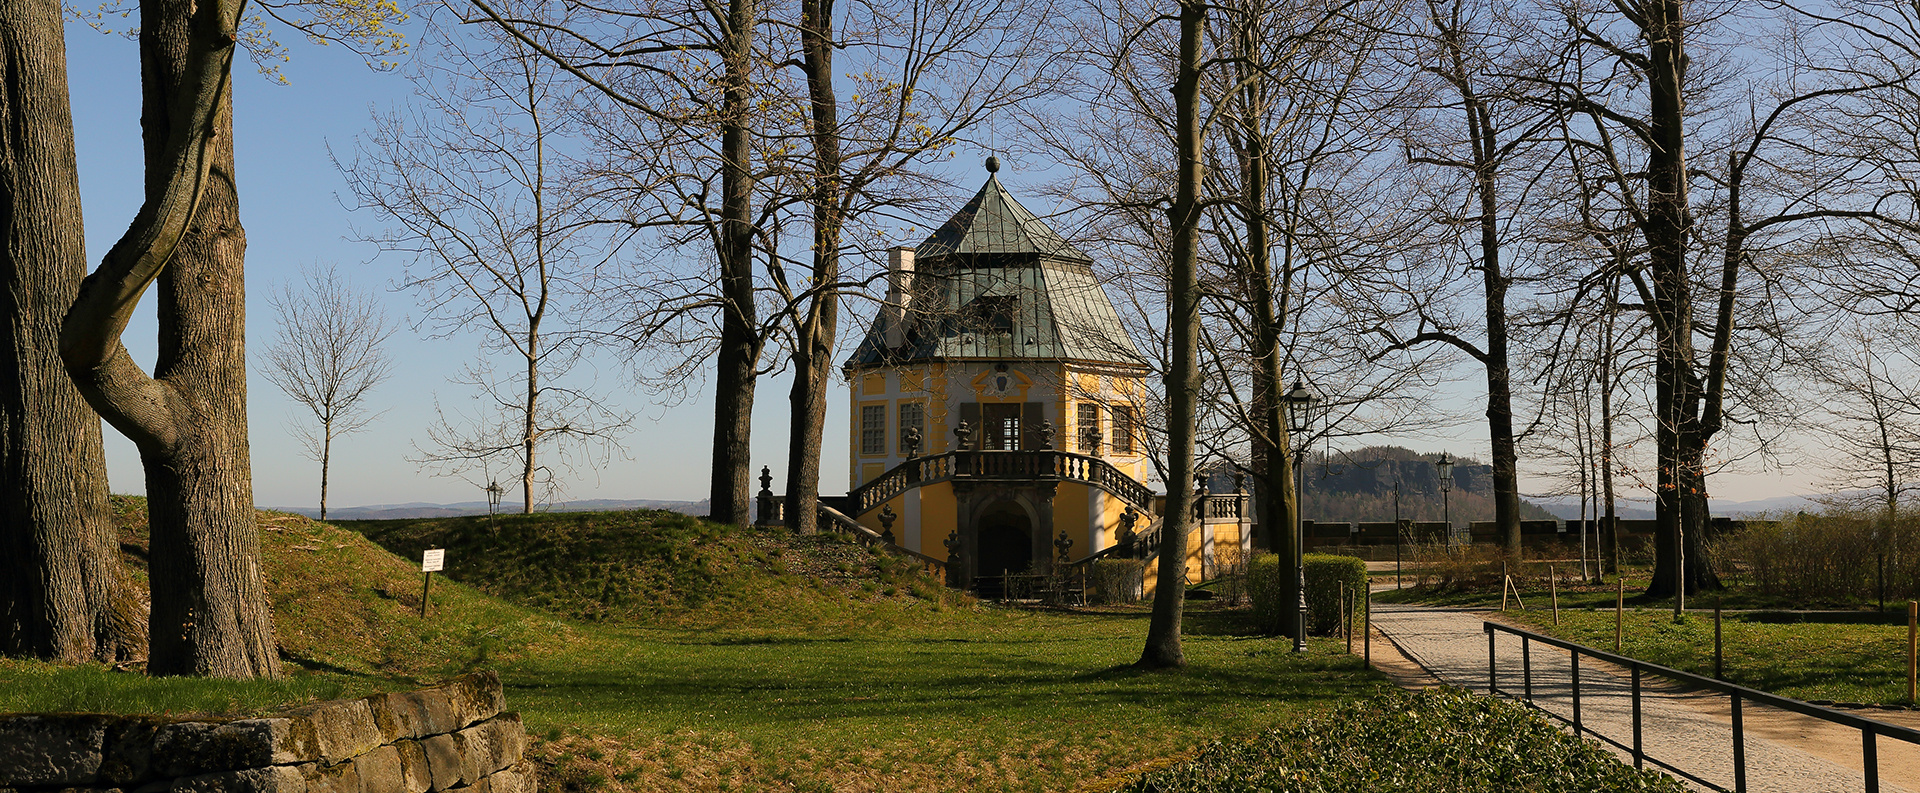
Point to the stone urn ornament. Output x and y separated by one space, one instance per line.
964 432
1046 435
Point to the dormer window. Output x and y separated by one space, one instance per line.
992 313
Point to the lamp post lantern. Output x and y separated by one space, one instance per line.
494 491
1445 465
1302 407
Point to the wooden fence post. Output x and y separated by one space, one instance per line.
1619 609
1553 589
1913 646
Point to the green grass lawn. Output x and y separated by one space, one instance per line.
1812 661
971 700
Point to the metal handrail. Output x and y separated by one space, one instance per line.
1044 464
841 522
1870 729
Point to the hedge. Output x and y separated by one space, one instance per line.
1116 580
1437 741
1325 573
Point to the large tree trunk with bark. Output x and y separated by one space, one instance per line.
813 339
1183 377
63 594
730 496
210 614
1680 508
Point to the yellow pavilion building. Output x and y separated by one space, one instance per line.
995 409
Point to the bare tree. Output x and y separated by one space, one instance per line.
472 187
330 352
64 596
686 102
930 73
1467 47
1871 379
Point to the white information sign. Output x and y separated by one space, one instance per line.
433 560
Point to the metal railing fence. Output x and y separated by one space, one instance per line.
1870 730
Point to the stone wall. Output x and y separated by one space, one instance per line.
452 737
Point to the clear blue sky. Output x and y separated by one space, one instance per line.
291 205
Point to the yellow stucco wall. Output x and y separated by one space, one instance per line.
938 517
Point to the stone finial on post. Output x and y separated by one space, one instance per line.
1065 545
1127 538
769 507
964 433
1046 433
887 517
911 438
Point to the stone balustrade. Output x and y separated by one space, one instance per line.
451 737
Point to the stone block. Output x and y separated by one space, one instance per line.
478 696
189 748
517 778
331 732
54 749
414 774
336 778
380 771
126 758
444 764
274 779
492 745
448 707
387 717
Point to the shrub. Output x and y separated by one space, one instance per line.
1832 556
1116 580
1429 741
1459 566
1263 586
1324 574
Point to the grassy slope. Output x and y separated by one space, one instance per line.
347 615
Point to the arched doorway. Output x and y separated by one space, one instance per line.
1006 544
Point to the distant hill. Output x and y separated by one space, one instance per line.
1360 486
418 509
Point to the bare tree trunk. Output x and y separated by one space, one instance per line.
813 339
1680 502
1272 452
1482 134
210 615
326 463
739 342
64 596
1183 378
529 428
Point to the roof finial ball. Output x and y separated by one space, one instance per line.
993 164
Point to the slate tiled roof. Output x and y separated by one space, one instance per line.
994 223
995 282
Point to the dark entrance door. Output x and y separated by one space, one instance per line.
1006 546
1002 425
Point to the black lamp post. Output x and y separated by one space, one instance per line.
1446 492
494 491
1301 409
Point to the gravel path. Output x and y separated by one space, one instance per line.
1786 752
